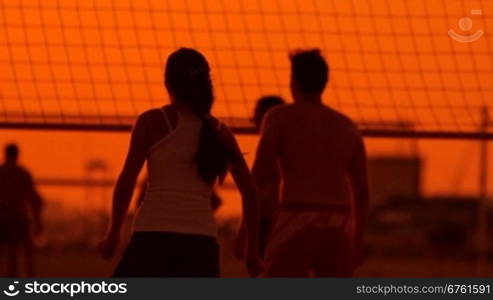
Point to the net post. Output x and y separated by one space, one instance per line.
482 234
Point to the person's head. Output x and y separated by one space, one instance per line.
309 74
11 153
187 79
264 104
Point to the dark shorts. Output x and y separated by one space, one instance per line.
325 251
166 254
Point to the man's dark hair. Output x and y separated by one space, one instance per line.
11 151
309 70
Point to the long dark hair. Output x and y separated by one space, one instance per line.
187 79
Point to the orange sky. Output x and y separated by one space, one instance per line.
101 61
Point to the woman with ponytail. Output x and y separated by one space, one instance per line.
187 152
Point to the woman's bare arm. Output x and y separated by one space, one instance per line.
244 181
251 217
126 181
125 186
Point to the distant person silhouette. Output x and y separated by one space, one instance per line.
187 151
264 104
20 213
318 154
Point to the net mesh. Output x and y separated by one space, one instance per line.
393 62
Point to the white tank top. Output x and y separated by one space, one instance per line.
177 198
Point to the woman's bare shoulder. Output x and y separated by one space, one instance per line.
148 115
155 115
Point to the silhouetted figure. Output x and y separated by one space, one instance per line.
187 152
318 155
263 105
20 213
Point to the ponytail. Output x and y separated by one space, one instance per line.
211 154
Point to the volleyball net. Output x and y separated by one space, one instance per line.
398 67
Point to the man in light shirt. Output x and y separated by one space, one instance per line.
310 170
